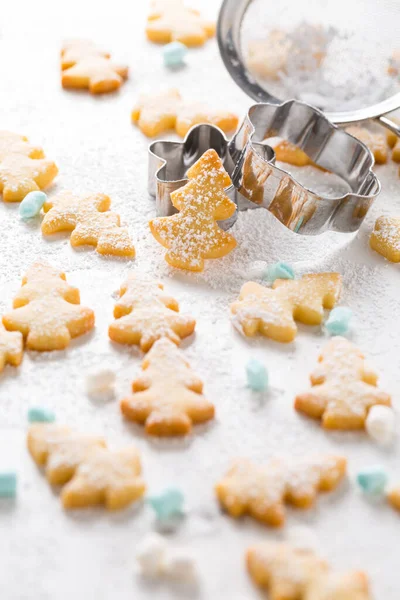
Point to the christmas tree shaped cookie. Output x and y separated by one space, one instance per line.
91 223
47 310
262 491
145 313
168 396
160 112
292 573
343 388
90 472
385 238
23 168
273 312
171 20
192 235
84 66
11 347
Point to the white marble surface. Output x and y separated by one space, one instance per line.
47 554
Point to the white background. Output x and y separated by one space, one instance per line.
46 553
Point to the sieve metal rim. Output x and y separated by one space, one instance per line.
230 19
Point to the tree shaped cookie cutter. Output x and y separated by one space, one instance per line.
258 182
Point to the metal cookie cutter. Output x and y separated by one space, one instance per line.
169 162
258 182
331 149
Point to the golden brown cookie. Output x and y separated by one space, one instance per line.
171 20
168 396
91 223
145 313
289 573
262 491
20 174
158 113
193 235
352 585
393 497
385 238
93 474
74 51
47 310
12 143
374 141
11 347
112 478
282 569
97 74
59 449
343 388
273 312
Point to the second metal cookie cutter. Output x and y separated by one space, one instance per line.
258 182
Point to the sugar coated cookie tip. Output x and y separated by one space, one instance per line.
257 375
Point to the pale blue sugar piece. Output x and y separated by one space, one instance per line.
32 204
167 505
38 414
257 375
372 480
279 270
8 484
174 54
339 320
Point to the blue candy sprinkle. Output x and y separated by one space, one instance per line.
31 204
279 270
338 320
257 375
37 414
174 53
167 505
8 484
372 480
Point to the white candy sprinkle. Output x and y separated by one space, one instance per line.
180 565
100 383
380 424
151 554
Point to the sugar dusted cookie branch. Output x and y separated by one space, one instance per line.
159 113
145 313
90 473
11 347
23 168
171 20
84 66
343 388
168 396
290 573
262 491
385 238
91 223
273 312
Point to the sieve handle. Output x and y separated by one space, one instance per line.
391 125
